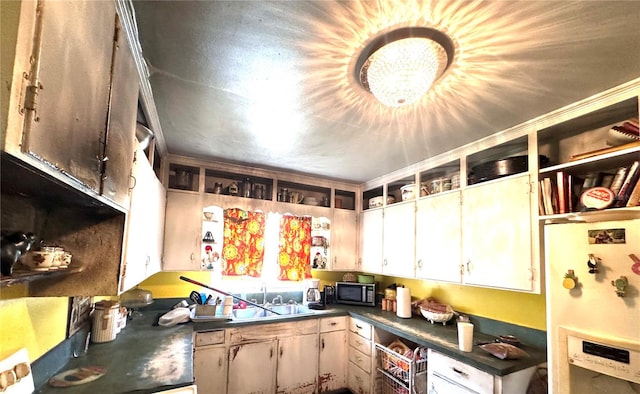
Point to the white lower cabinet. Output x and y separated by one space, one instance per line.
273 358
450 376
210 369
210 362
252 368
332 363
361 361
297 364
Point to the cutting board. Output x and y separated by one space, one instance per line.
24 385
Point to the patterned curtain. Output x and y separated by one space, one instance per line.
295 246
243 247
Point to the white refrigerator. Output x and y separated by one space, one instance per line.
593 306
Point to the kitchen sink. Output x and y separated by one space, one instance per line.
287 310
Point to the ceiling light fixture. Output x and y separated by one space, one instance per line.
400 66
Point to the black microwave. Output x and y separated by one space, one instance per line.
356 293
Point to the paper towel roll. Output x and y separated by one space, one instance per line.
403 298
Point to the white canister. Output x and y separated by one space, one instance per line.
105 320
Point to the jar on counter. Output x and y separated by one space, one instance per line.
105 321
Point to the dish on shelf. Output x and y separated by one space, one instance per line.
311 201
504 167
377 202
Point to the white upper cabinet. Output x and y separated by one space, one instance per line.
371 227
496 232
145 225
182 231
344 240
399 239
74 96
439 237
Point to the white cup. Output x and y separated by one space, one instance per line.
465 336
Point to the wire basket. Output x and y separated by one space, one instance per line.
399 370
392 386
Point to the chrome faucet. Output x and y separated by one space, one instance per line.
279 298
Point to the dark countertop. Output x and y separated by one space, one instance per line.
142 359
442 338
145 358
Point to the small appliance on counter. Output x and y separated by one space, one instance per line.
329 293
355 293
311 293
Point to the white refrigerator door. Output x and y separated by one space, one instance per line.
592 307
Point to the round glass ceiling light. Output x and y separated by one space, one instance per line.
399 67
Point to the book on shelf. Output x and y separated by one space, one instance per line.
607 180
547 192
618 179
563 195
634 197
571 194
541 210
628 185
592 179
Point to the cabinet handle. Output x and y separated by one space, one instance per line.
468 266
385 262
358 327
135 182
333 323
322 343
459 371
419 264
281 351
220 362
271 353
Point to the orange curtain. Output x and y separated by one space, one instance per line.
243 247
295 248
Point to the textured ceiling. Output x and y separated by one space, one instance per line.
271 83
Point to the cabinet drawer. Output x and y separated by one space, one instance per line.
209 338
272 331
361 328
333 324
360 359
359 381
359 343
459 372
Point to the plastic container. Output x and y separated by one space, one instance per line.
105 320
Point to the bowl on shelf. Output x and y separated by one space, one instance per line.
311 201
408 191
377 202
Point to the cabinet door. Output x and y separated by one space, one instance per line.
439 238
497 234
73 68
182 231
371 227
358 381
332 368
210 369
297 364
399 240
145 225
123 110
252 368
344 240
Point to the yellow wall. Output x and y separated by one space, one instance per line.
522 309
35 323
